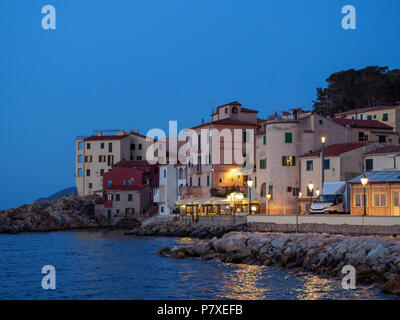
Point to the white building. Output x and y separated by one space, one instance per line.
383 159
172 176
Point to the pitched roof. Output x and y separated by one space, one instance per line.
133 163
108 137
386 149
233 103
226 121
354 123
378 176
336 149
368 109
249 110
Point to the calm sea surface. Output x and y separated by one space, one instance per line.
110 265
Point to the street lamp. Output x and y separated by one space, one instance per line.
298 212
317 192
323 140
250 185
268 198
364 182
311 188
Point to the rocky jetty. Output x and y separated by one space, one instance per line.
67 212
172 228
376 260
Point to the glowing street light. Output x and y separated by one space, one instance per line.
317 192
268 198
250 185
364 182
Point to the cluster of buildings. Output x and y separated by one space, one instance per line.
271 179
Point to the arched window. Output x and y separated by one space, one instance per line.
263 190
234 110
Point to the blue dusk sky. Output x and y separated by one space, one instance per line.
137 64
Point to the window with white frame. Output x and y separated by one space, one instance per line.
358 200
379 199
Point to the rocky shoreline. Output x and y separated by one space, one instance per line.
65 213
376 259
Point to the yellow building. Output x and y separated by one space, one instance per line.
382 193
389 115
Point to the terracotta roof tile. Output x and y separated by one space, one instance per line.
336 149
362 123
385 149
109 137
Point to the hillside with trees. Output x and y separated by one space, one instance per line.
350 89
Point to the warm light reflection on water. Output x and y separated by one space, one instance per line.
109 265
242 283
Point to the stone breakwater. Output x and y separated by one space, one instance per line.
376 260
171 228
70 212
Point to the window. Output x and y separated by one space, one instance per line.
90 185
102 145
109 197
88 172
190 181
208 181
369 117
109 183
139 158
327 164
385 117
244 136
296 192
133 146
110 160
162 209
117 197
362 136
379 199
264 140
226 110
80 145
369 164
321 122
101 172
288 137
310 193
124 182
165 173
80 158
288 161
310 165
110 147
80 172
374 116
263 190
362 116
140 146
358 200
382 139
88 158
87 145
198 180
130 197
102 158
263 163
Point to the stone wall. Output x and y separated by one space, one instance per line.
344 229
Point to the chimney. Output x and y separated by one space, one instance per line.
202 121
99 133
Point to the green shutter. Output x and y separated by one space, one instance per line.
294 160
288 137
265 140
283 161
261 164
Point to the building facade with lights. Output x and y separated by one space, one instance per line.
207 177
